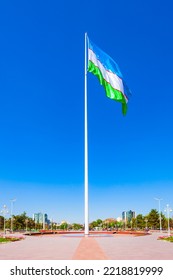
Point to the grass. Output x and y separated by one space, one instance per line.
9 239
166 238
2 240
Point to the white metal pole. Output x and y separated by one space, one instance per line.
11 215
168 209
168 219
86 146
43 221
12 203
4 211
125 220
160 218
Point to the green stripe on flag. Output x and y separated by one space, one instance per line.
110 91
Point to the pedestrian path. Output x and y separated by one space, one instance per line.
114 247
89 249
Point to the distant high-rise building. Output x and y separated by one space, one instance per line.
128 215
39 218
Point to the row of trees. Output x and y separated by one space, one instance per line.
151 221
24 222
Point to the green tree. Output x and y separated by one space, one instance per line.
30 224
164 223
76 226
153 219
63 226
119 224
99 222
92 225
171 223
133 223
140 223
1 222
21 222
112 224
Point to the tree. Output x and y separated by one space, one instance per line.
76 226
95 224
163 221
109 223
1 222
21 222
92 225
30 223
112 224
140 223
153 219
99 222
119 224
63 226
171 223
133 223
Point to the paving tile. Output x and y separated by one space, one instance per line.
116 247
89 249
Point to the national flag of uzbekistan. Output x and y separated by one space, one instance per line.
109 75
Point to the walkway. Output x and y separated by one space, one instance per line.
116 247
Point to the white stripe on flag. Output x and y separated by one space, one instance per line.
110 77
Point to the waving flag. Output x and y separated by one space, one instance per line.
109 75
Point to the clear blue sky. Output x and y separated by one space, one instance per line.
42 108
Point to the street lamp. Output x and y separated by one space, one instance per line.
146 220
52 224
12 203
159 199
4 211
43 215
168 209
125 219
26 221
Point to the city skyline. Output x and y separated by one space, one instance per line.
42 108
59 217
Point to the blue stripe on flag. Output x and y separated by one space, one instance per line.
109 64
105 59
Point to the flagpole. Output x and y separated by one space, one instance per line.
86 146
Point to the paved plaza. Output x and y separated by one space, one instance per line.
68 247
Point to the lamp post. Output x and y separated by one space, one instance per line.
4 211
146 220
52 224
167 210
26 221
160 219
125 219
12 203
43 221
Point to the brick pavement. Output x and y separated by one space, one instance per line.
89 249
116 247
